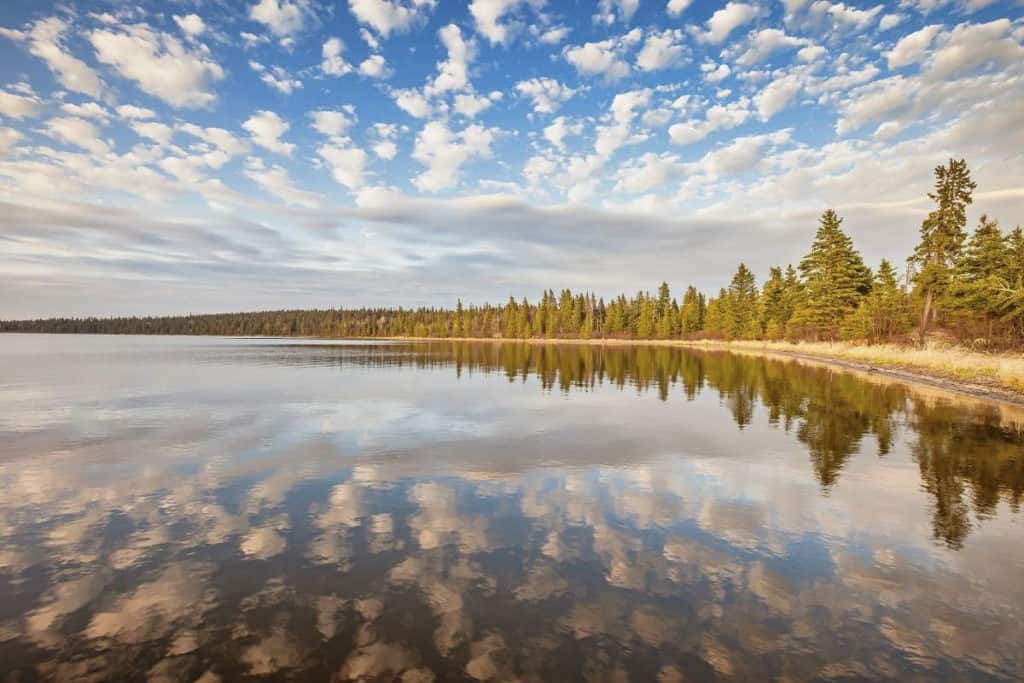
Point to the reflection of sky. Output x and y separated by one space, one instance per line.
231 516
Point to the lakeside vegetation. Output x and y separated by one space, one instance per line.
963 289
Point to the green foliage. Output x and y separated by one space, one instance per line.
835 280
883 315
942 235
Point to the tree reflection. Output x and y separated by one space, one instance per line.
969 460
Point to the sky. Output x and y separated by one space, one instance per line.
215 155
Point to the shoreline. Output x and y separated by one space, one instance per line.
893 369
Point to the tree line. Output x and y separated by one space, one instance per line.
969 287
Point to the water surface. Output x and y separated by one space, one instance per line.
223 509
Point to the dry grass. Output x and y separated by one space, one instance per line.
1001 370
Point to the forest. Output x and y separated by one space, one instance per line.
964 287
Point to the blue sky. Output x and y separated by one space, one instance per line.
211 155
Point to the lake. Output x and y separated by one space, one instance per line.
205 509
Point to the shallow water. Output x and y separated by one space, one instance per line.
201 508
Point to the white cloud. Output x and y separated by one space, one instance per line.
561 128
776 96
890 21
283 17
675 8
717 117
661 50
610 10
276 77
488 15
965 67
390 16
444 153
385 147
191 25
551 36
225 143
811 53
656 118
332 62
18 106
470 104
715 73
8 139
412 102
604 57
276 181
78 132
159 64
266 129
646 173
250 40
375 66
726 20
130 111
188 169
45 41
912 48
155 131
547 93
346 161
842 18
766 42
741 154
333 123
970 46
452 73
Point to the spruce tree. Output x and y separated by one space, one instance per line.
744 322
690 314
883 315
942 235
980 276
835 280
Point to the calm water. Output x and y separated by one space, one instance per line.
212 509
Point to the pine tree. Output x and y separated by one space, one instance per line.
835 280
979 276
884 314
775 309
690 314
646 321
664 312
744 321
715 315
942 235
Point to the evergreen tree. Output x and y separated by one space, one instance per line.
980 276
942 235
646 319
835 280
884 314
691 315
716 314
776 308
744 317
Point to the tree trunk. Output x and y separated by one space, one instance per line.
925 315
